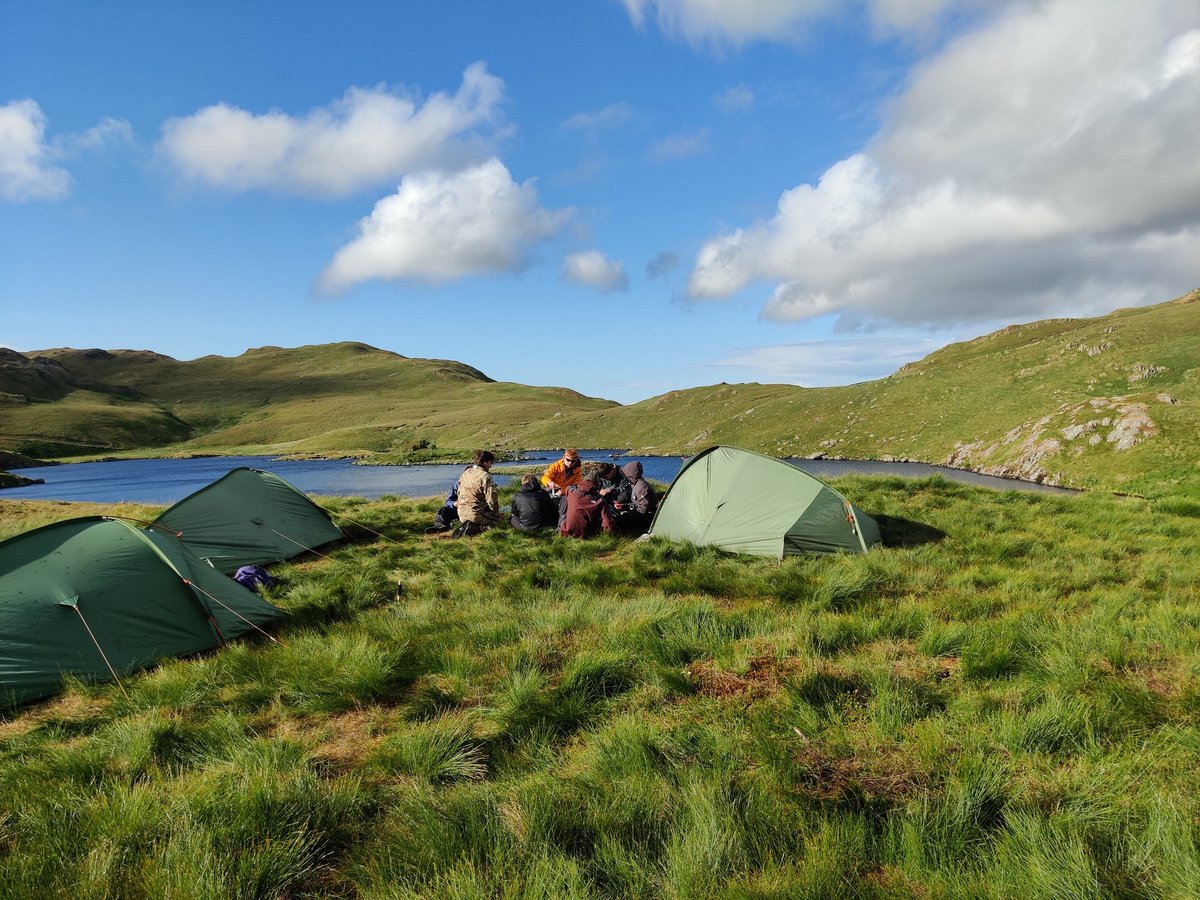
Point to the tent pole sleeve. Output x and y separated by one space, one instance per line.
174 568
169 531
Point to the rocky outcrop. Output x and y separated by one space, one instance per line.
1142 371
1025 450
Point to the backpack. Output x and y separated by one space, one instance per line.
250 577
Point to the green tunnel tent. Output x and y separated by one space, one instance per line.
746 502
249 517
81 596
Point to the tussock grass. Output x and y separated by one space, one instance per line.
1002 701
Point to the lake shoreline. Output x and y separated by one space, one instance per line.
366 461
169 479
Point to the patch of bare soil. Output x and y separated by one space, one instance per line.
1157 676
763 677
70 707
853 780
342 741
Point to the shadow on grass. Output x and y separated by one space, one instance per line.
898 532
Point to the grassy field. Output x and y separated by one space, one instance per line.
1004 701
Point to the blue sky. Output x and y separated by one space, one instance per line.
623 197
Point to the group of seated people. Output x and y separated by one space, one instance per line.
574 500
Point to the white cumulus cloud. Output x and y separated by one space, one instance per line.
27 169
593 268
1043 163
30 165
368 137
440 226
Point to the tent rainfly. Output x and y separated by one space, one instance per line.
98 598
248 517
746 502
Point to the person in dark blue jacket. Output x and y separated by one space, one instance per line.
447 516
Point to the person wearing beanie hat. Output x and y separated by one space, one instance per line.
635 513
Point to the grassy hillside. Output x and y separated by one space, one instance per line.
340 398
1001 702
1111 402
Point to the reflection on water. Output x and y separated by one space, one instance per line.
162 481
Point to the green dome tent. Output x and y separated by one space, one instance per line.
248 517
98 598
750 503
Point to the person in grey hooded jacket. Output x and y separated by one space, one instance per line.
635 513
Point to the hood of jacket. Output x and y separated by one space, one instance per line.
632 470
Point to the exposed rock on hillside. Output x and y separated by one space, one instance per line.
1023 451
1142 371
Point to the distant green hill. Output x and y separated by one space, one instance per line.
336 398
1110 402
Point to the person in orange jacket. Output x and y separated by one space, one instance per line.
563 473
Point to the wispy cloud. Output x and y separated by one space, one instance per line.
735 100
680 146
109 132
370 136
745 21
1043 164
832 361
594 269
441 226
611 116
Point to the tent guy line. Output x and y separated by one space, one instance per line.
104 656
269 636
